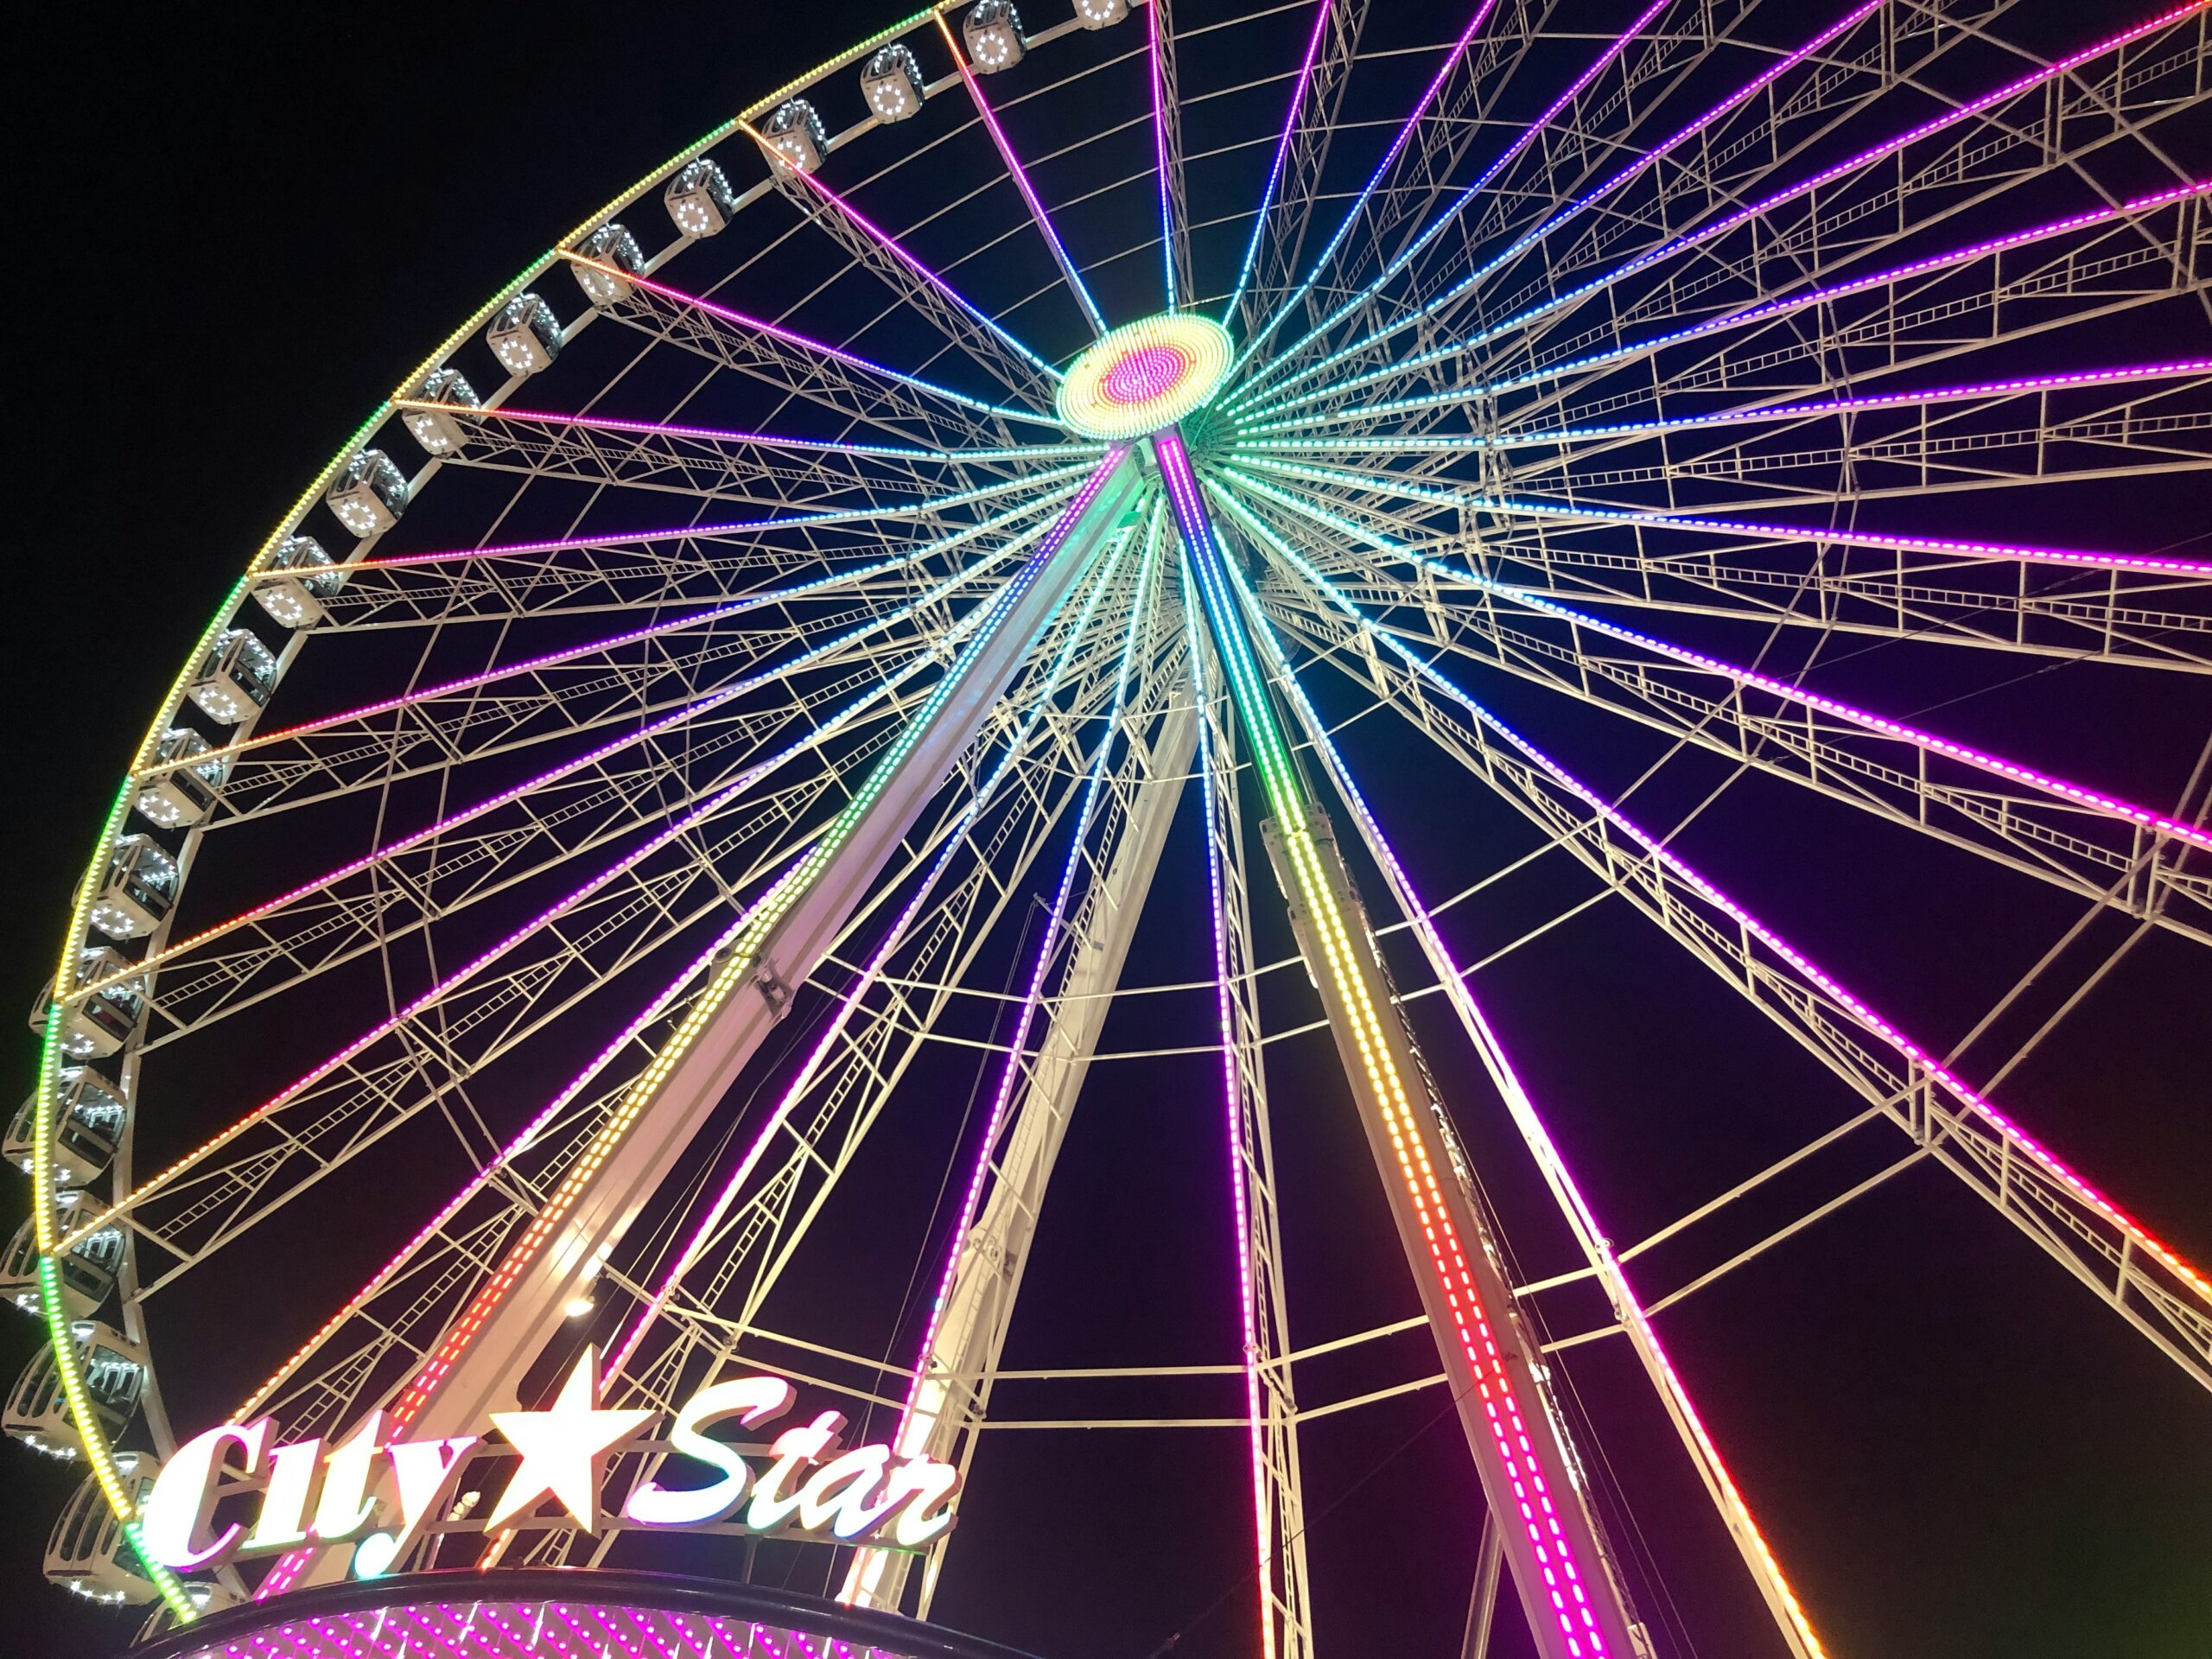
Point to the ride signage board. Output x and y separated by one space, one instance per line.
382 1493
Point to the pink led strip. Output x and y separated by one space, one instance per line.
1542 1147
1014 170
953 841
1859 1011
514 1148
281 1577
825 585
889 244
1997 765
923 507
444 988
684 714
1502 1412
1505 505
1011 1072
1766 311
1275 168
1647 159
2123 374
492 1291
1743 215
1233 1109
764 440
836 353
1397 145
277 1102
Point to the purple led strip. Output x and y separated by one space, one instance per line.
1976 757
1595 1243
531 1131
922 507
751 774
837 353
1233 1110
685 712
952 843
769 440
1155 46
1840 170
1939 545
1397 145
1997 765
890 245
1021 177
1275 168
614 642
2120 375
1954 1085
1644 160
1528 135
1026 1020
1763 312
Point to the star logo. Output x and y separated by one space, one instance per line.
560 1447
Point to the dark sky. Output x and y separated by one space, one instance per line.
235 227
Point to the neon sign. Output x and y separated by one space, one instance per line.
381 1494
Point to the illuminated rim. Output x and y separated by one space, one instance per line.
1146 376
1137 380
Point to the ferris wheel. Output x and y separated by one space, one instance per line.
639 875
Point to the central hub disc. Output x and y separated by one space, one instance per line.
1146 376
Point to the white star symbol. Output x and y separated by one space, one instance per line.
561 1446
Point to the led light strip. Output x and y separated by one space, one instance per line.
889 244
1956 1087
1996 765
1647 159
923 507
1503 1415
736 971
1765 312
1504 506
1154 44
1677 244
1539 437
1014 1066
1627 1308
1275 168
1232 1097
1044 221
832 1035
765 439
843 716
1359 202
836 353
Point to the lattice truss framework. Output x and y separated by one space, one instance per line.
780 669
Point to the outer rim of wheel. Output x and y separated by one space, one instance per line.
99 1454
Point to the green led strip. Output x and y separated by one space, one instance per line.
68 1370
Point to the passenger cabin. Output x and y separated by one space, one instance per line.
86 1552
88 1119
369 496
237 679
181 793
141 888
300 577
88 1270
113 1370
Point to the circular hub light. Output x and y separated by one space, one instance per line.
1146 376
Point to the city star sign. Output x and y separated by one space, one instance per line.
312 1497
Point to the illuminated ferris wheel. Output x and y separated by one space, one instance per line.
692 770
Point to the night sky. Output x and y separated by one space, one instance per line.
242 224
